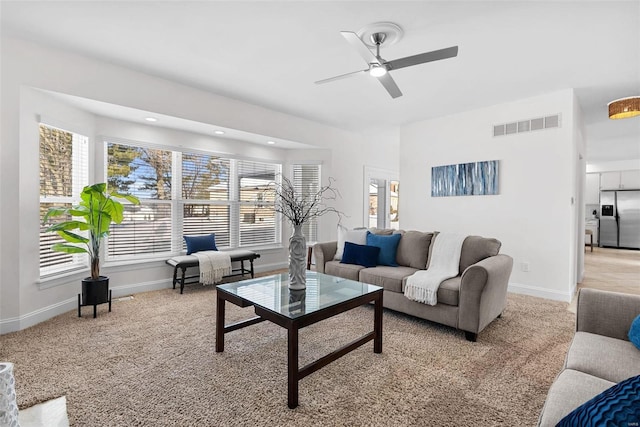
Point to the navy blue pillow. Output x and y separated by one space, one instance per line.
616 406
200 243
366 256
634 332
388 247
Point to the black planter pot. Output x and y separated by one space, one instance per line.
95 291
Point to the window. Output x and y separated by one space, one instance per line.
257 223
63 174
381 198
306 182
189 193
205 195
147 174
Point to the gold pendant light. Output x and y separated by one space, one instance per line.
624 107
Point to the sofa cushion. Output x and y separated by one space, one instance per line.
476 248
448 292
382 231
388 247
570 390
390 278
346 271
616 406
413 249
366 256
604 357
357 236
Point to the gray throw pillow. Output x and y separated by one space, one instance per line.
475 249
413 249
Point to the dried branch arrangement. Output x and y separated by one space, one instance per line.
299 208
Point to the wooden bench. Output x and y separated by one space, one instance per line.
183 262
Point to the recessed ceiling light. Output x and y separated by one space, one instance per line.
151 119
271 142
219 132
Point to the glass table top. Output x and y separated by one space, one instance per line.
273 293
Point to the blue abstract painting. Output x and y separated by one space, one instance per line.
465 179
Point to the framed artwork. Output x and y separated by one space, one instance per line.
465 179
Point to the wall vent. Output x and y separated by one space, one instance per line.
522 126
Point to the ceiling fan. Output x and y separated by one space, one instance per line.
379 67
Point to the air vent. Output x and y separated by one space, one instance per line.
527 125
551 122
537 124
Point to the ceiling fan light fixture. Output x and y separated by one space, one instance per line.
377 70
624 108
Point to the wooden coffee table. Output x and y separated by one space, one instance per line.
325 297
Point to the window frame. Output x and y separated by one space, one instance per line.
80 158
178 202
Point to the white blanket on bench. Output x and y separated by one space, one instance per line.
213 265
422 286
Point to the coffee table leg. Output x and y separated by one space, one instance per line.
292 367
377 326
219 324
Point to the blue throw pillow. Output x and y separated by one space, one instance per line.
634 332
616 406
388 247
366 256
200 243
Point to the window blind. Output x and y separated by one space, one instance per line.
147 173
64 172
306 183
257 219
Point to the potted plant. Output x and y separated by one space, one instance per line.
96 211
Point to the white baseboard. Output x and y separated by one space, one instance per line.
26 320
135 288
539 292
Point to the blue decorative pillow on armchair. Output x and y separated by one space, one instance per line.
200 243
616 406
634 332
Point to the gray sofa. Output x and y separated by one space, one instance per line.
600 354
468 302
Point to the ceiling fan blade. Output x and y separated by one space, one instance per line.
421 58
342 76
390 85
359 45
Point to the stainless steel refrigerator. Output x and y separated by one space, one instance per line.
620 219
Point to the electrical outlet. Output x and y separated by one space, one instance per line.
525 266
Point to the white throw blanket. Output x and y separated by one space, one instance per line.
422 286
213 266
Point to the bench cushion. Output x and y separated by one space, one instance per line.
192 260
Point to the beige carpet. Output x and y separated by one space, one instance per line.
151 362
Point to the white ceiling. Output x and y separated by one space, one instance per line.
270 53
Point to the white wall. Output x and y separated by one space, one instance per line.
620 165
579 168
24 302
533 215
